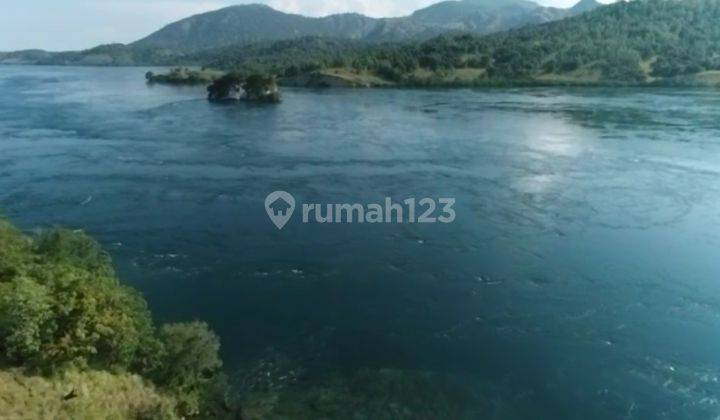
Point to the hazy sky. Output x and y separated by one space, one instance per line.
77 24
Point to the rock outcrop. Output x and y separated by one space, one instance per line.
254 88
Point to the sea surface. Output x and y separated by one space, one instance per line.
580 280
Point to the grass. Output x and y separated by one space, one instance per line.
356 78
580 76
708 78
461 76
79 396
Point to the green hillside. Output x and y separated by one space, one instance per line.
630 41
638 42
252 23
245 25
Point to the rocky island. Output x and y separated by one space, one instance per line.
235 87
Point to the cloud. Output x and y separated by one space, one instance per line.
373 8
176 9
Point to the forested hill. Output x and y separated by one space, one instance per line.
255 22
637 42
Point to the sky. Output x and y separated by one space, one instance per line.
58 25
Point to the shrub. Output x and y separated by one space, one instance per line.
63 310
191 365
61 305
25 318
74 248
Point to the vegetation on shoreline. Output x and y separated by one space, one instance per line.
75 341
184 76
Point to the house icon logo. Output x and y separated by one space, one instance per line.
280 206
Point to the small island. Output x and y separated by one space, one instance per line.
253 88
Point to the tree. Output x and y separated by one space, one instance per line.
226 87
191 366
261 88
62 306
74 248
25 319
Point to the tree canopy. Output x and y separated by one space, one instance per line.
62 309
639 41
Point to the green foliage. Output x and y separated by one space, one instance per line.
254 87
62 309
225 86
283 58
191 365
261 88
25 318
251 23
16 251
627 42
62 306
183 76
59 246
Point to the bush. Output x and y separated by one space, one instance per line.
16 251
62 309
74 248
62 306
191 365
261 88
25 319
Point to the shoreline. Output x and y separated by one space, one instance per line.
679 82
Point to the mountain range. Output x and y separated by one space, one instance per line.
189 38
251 23
452 43
639 42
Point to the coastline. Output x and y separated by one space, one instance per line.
328 79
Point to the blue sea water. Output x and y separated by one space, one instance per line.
580 280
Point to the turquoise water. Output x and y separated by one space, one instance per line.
580 280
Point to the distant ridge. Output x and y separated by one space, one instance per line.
638 42
198 38
255 22
585 6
